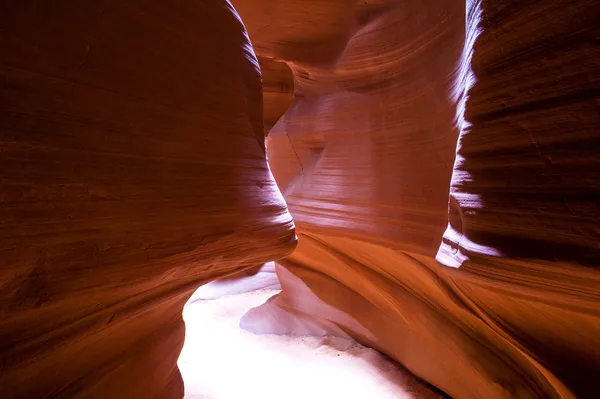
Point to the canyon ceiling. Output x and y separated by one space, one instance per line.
440 161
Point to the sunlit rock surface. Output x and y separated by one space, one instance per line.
365 157
217 350
132 170
256 278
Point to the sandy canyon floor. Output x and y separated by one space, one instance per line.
221 361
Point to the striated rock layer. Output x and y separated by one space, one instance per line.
365 157
132 170
278 84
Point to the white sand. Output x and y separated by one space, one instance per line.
222 361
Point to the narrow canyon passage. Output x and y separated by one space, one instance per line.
413 187
219 360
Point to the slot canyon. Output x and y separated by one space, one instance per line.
421 177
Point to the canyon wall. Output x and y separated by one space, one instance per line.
132 170
478 272
278 83
446 217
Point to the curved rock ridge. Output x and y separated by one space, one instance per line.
132 170
278 85
525 182
386 93
263 277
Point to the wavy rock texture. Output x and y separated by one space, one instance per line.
365 157
277 80
278 84
263 277
132 170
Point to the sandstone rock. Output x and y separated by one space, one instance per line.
447 217
365 155
132 170
278 85
248 280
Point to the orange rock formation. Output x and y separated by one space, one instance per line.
440 159
132 170
365 155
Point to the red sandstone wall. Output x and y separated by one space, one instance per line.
524 204
132 170
365 159
278 84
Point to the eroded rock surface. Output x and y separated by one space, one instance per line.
132 170
365 157
278 84
248 280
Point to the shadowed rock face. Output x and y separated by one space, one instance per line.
132 170
278 84
365 157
